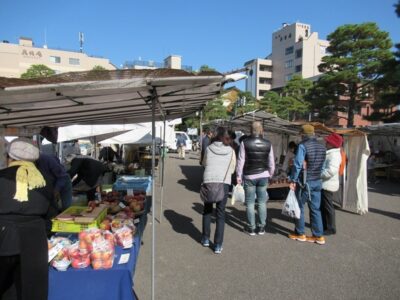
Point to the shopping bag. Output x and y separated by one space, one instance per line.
237 194
291 206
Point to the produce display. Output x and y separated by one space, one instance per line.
132 205
100 227
94 247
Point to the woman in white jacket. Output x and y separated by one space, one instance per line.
330 182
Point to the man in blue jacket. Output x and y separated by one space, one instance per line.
306 176
181 145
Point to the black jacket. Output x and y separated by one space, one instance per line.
257 151
87 169
22 222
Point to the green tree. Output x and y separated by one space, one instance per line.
273 103
294 96
192 122
357 53
215 110
388 89
98 68
293 101
245 103
206 68
38 71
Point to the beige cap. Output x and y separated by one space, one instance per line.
23 149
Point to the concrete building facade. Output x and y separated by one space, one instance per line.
259 78
15 59
170 62
295 50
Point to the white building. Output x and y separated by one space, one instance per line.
259 78
15 59
295 50
170 62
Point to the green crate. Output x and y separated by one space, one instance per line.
72 226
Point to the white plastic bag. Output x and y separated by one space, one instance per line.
237 194
291 206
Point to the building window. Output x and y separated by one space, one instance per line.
306 34
261 93
265 68
289 50
299 53
298 68
55 59
74 61
288 77
263 80
289 64
290 35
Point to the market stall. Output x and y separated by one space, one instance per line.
280 132
384 141
106 97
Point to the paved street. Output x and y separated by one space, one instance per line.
362 261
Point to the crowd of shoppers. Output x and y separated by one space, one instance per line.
313 170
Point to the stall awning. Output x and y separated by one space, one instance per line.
105 97
271 123
390 129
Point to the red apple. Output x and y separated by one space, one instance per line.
107 264
97 264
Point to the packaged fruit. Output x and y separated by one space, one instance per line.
81 262
61 265
103 254
124 237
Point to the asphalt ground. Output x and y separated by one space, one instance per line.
362 261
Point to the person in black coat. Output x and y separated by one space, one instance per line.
23 241
89 174
108 154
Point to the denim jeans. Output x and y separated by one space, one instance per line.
312 195
220 218
251 189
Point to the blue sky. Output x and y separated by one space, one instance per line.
222 34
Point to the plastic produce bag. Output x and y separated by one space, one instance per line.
237 194
291 206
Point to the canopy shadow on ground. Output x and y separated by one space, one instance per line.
237 219
384 213
182 224
385 187
193 177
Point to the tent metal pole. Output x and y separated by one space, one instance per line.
201 131
94 147
163 153
153 131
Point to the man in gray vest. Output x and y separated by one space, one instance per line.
306 176
256 163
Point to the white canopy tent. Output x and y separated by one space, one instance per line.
141 136
106 97
75 132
